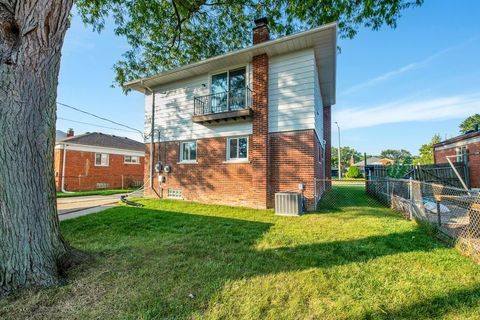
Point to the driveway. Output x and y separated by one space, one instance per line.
77 206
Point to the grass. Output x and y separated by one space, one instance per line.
177 260
106 192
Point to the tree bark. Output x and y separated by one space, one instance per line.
32 250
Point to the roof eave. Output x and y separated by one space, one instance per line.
141 84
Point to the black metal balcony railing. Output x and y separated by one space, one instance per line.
233 100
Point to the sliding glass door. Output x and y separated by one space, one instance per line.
228 91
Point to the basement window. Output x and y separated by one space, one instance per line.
131 159
174 193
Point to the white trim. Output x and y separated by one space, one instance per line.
85 148
187 162
236 161
137 157
227 149
101 156
227 70
180 160
459 143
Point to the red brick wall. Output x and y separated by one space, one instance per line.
210 180
473 161
82 174
259 141
294 159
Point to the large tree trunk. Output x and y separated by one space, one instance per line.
31 36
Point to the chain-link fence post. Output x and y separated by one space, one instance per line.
410 197
439 213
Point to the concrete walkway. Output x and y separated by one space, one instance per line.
73 207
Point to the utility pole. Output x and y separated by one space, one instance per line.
339 153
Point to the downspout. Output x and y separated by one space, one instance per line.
62 188
151 132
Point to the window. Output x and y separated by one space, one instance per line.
188 151
460 152
131 159
101 159
228 90
174 193
237 148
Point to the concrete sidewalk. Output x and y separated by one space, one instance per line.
69 208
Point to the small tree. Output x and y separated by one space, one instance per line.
426 151
353 172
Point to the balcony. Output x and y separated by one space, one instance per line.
223 106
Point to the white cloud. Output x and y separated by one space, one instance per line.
434 109
409 67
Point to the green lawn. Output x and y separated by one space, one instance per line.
174 260
106 192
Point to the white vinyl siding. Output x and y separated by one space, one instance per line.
174 107
291 92
295 102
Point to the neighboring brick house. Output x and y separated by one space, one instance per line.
97 161
465 147
237 128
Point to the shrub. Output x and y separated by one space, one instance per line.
353 172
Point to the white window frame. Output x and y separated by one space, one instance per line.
459 153
227 70
131 157
228 149
181 160
101 158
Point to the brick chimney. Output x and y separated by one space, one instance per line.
70 132
259 142
261 32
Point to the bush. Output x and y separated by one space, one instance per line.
353 173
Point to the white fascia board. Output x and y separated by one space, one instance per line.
460 143
95 149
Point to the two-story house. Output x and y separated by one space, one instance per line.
237 128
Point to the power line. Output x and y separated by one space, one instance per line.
99 117
96 125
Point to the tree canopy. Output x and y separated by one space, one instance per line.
469 123
166 34
347 154
401 156
426 151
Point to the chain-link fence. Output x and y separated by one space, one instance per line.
97 182
453 211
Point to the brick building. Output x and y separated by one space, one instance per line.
237 128
98 161
466 148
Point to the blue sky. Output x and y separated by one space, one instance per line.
396 88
